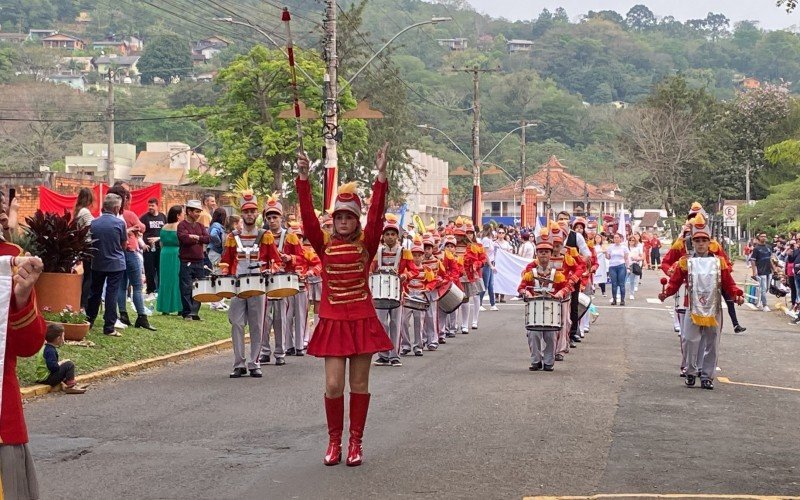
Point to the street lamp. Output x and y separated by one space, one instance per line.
428 127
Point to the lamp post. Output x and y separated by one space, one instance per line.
476 188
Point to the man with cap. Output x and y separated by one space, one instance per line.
706 276
541 278
290 251
249 249
565 261
432 264
587 281
453 270
420 281
574 243
192 238
391 258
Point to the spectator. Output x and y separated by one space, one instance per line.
601 273
83 217
636 253
233 224
762 268
217 234
133 268
488 267
527 250
209 205
108 262
50 370
502 243
192 236
169 292
618 257
153 221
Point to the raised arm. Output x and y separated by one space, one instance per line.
304 198
377 207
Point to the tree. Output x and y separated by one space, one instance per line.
606 15
640 18
165 57
717 25
245 123
790 5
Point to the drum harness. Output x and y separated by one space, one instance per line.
397 256
549 287
240 248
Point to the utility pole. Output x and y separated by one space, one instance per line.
747 182
331 132
477 208
110 115
522 217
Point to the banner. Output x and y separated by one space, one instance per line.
509 272
53 201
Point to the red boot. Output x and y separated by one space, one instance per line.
359 404
334 411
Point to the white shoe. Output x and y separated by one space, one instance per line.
494 308
766 309
148 311
636 289
482 308
119 325
632 297
475 325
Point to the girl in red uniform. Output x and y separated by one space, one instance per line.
348 327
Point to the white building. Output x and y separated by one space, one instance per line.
426 187
519 46
94 160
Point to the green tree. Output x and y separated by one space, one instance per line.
640 18
245 123
165 57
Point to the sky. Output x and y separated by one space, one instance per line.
764 11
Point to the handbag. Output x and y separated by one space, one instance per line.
636 269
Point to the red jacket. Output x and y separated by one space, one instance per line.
345 264
681 276
26 329
678 250
561 286
267 252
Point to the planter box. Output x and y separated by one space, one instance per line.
76 332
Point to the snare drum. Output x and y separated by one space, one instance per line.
543 313
226 287
584 301
250 285
280 285
385 290
416 302
450 298
203 290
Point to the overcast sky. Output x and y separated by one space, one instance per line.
764 11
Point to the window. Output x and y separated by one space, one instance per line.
496 210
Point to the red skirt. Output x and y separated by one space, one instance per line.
344 338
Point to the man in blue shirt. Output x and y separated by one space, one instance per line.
761 262
108 262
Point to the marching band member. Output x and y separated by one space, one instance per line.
245 250
391 258
348 327
431 263
541 277
575 243
290 251
420 281
477 256
588 230
564 259
297 305
467 258
453 271
313 283
706 277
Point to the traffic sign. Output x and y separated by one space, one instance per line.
730 215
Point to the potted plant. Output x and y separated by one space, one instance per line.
75 323
57 240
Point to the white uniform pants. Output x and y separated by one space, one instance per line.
416 317
562 339
274 315
701 345
296 320
543 346
246 312
430 323
391 322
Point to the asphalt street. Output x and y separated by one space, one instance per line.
467 421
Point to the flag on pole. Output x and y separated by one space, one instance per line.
621 226
537 230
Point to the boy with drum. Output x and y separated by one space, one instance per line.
708 279
415 301
453 271
541 279
564 259
431 263
250 250
394 259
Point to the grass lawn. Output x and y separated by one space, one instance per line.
174 334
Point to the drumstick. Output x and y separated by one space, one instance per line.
664 282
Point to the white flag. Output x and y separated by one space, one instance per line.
621 226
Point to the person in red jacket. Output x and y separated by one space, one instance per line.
542 278
348 328
706 277
22 336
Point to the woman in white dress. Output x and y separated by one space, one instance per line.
601 274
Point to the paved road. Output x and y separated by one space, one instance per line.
468 421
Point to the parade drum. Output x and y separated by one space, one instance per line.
203 290
450 298
226 287
417 302
584 301
385 290
280 285
543 313
250 285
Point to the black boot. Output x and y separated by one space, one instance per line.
142 322
124 319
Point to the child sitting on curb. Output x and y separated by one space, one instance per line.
50 370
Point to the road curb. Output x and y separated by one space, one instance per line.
135 366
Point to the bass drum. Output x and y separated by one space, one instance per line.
584 302
543 313
450 298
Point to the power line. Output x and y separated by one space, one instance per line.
66 120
